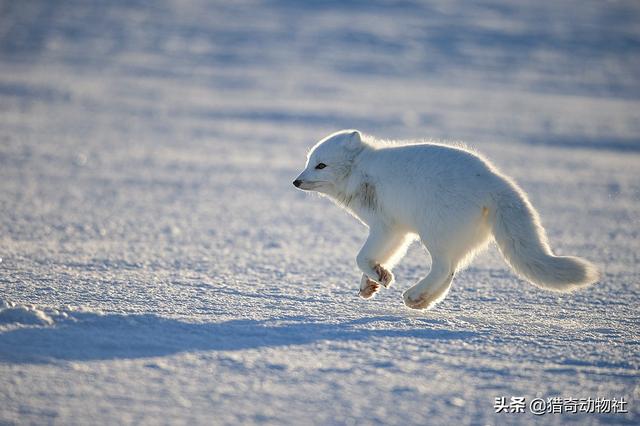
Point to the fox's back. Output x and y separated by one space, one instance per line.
422 168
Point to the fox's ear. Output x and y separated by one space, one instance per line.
354 139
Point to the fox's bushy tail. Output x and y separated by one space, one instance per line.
523 243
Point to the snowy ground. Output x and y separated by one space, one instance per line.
159 267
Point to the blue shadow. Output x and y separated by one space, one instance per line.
90 336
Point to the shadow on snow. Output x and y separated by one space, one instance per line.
91 336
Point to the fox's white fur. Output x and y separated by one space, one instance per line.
451 198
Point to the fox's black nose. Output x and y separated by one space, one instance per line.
297 183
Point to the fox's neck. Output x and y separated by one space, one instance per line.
356 191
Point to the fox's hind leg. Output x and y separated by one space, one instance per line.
383 248
435 286
452 244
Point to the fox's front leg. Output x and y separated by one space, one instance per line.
368 287
376 256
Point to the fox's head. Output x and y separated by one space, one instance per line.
329 162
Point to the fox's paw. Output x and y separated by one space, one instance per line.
419 301
368 287
385 277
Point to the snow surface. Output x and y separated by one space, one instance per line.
159 267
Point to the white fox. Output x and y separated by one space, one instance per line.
449 197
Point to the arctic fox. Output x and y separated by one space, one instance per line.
449 197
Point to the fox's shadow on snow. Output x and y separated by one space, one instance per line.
91 336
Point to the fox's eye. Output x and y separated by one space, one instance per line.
321 166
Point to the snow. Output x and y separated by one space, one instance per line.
159 267
12 314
